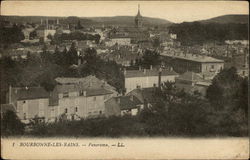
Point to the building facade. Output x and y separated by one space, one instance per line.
147 78
189 62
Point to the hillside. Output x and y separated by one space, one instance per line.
243 19
129 20
117 20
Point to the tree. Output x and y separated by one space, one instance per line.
33 34
150 58
156 43
10 124
97 38
79 25
11 35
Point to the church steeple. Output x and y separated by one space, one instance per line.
138 14
138 18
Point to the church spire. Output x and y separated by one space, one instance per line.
138 18
138 14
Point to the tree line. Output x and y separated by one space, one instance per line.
193 33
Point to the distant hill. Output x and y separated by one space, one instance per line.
117 20
129 20
243 19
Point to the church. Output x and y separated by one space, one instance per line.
137 33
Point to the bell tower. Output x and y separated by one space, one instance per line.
138 18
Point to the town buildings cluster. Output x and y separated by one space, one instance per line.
89 97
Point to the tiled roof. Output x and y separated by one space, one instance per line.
29 93
126 102
85 83
96 92
191 57
144 94
148 73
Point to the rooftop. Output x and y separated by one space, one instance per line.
127 102
148 73
192 57
29 93
145 94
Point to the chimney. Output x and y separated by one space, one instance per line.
84 93
131 97
159 80
144 71
171 68
151 67
10 89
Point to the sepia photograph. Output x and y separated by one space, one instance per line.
124 79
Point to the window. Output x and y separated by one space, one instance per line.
24 101
24 116
100 112
65 94
76 109
66 110
212 66
94 98
81 93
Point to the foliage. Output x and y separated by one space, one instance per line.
11 35
149 58
192 33
77 35
10 124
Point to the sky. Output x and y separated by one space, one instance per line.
174 11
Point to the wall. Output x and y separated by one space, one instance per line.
145 82
32 108
112 108
121 41
209 67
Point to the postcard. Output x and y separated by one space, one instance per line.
124 79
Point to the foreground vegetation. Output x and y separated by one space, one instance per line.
223 113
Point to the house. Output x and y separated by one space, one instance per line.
43 32
192 82
146 96
74 102
120 40
147 78
72 99
79 98
182 62
123 105
29 102
26 32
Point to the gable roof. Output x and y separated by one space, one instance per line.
144 94
126 102
84 83
97 92
29 93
